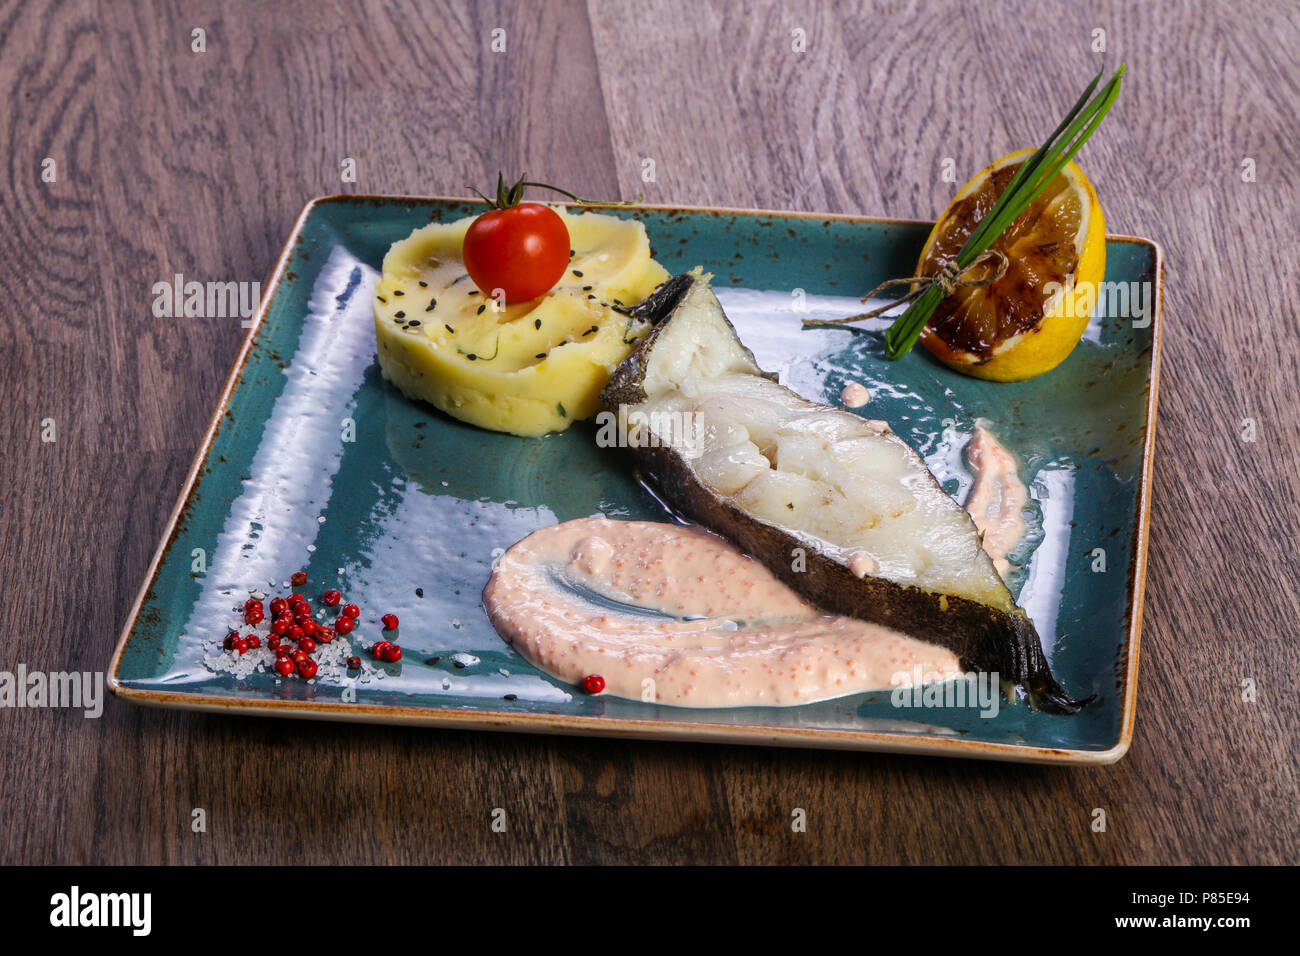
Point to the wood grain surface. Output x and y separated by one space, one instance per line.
174 161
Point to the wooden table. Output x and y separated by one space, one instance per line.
174 161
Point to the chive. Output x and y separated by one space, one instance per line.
486 358
626 329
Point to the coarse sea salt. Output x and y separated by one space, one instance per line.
331 660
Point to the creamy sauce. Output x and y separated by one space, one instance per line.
854 395
998 498
715 628
861 563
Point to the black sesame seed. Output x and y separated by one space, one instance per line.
507 696
480 309
433 304
413 322
382 299
423 284
397 315
473 292
537 324
449 329
571 253
472 357
419 592
577 273
398 292
588 288
540 355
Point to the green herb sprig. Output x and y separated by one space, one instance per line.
511 194
1030 180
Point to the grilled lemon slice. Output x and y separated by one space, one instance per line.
1028 321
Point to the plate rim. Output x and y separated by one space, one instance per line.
637 728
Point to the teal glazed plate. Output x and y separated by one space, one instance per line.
313 463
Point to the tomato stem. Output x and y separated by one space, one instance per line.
510 196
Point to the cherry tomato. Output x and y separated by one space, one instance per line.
522 250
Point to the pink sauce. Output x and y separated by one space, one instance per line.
734 635
854 395
998 497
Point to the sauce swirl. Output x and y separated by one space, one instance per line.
677 615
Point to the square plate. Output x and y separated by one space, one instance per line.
313 462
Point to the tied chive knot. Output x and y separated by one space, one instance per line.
950 278
953 275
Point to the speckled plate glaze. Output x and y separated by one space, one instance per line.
409 515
